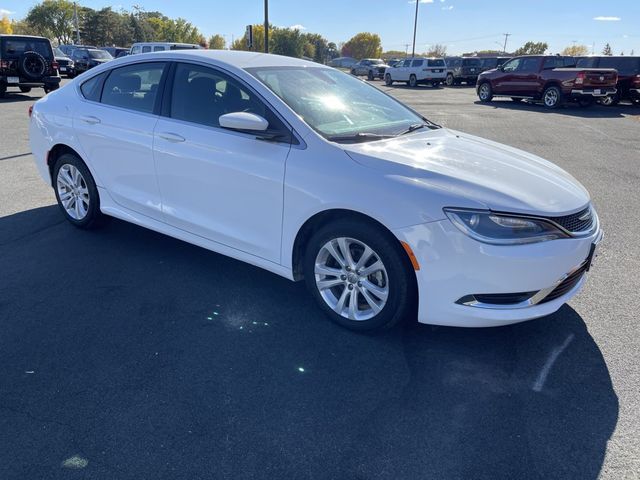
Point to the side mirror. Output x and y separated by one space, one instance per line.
243 121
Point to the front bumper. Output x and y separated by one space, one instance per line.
454 267
593 92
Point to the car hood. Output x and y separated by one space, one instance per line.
498 177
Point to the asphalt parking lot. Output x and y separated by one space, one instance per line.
125 354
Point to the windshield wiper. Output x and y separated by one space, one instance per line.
359 137
414 127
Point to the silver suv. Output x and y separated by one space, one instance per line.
371 67
414 71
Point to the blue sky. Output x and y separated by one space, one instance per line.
462 25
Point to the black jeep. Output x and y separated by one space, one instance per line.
27 62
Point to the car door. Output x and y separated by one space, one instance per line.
403 71
115 129
505 84
525 78
220 184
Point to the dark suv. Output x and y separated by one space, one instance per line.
86 58
628 76
27 62
462 69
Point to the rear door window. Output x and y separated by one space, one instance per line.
134 87
146 49
624 65
417 63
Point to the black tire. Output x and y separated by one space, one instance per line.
25 89
352 72
485 92
369 75
413 81
449 80
32 65
387 80
552 97
401 298
94 217
516 100
3 90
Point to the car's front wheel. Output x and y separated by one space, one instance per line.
413 81
359 276
76 192
370 75
387 80
25 89
485 94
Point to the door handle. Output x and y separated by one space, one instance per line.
90 120
171 137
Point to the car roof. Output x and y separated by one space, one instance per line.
236 58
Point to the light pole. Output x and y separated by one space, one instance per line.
506 36
266 26
415 27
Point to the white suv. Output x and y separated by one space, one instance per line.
414 71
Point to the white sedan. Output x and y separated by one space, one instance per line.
313 174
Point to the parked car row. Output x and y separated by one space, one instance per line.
554 80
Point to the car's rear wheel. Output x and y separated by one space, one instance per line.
610 100
3 90
76 192
552 97
25 89
359 276
413 81
387 80
449 80
485 94
370 75
516 99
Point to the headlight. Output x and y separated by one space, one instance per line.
503 229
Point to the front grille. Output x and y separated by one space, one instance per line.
567 284
573 224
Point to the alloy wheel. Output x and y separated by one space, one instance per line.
551 97
73 191
351 278
484 91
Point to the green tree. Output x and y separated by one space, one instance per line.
607 50
532 48
52 18
289 42
437 50
393 54
576 51
320 45
332 51
363 45
217 42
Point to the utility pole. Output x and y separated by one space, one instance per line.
75 19
415 27
266 26
406 49
506 36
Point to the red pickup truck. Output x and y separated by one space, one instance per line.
551 80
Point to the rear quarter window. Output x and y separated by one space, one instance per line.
435 63
92 88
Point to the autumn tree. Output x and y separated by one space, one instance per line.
258 40
576 51
5 25
363 45
217 42
532 48
607 50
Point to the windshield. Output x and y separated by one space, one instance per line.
336 104
100 54
58 52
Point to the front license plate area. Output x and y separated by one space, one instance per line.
597 91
